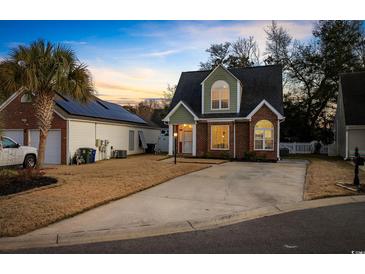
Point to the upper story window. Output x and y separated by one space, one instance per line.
220 95
264 135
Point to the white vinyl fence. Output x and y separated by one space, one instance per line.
303 148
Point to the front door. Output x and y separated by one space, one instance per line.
188 142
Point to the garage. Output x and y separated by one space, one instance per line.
16 134
53 145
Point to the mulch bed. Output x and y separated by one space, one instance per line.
15 185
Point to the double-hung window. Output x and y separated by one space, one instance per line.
219 137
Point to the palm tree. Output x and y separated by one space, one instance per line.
42 70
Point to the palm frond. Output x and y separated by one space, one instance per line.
43 67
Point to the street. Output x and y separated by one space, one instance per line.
333 229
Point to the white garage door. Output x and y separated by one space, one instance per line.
53 145
16 134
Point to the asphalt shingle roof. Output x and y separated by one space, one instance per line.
258 83
353 94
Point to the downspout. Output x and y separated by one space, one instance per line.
194 139
347 145
278 141
234 140
68 142
171 138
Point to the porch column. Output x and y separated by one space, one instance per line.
194 140
171 139
278 141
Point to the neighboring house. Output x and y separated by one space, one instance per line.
228 112
97 124
350 115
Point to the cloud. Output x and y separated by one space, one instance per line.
120 88
15 44
200 34
162 53
203 34
131 84
72 42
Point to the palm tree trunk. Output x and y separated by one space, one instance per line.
44 108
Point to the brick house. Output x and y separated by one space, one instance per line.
227 113
98 124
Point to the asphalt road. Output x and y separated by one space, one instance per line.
334 229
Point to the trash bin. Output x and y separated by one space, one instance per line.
88 154
93 155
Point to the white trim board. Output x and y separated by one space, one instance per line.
10 99
167 118
220 65
202 84
264 102
239 95
355 127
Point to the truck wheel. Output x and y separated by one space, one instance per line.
29 161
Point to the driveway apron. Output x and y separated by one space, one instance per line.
222 189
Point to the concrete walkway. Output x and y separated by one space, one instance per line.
221 189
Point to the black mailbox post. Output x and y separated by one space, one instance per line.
358 161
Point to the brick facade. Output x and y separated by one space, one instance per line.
18 115
244 137
201 139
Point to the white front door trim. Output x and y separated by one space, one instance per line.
171 139
194 140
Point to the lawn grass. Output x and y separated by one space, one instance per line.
85 187
323 173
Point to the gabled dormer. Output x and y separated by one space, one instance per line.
221 92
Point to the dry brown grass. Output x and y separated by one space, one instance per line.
323 173
85 187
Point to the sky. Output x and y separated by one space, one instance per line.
134 60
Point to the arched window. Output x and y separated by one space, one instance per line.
264 135
220 95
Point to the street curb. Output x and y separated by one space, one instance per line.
83 237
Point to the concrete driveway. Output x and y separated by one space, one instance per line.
221 189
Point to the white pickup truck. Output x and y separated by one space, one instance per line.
13 154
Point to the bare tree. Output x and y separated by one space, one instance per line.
244 53
218 54
169 92
278 41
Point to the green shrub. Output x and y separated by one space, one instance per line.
224 155
250 156
8 173
208 154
